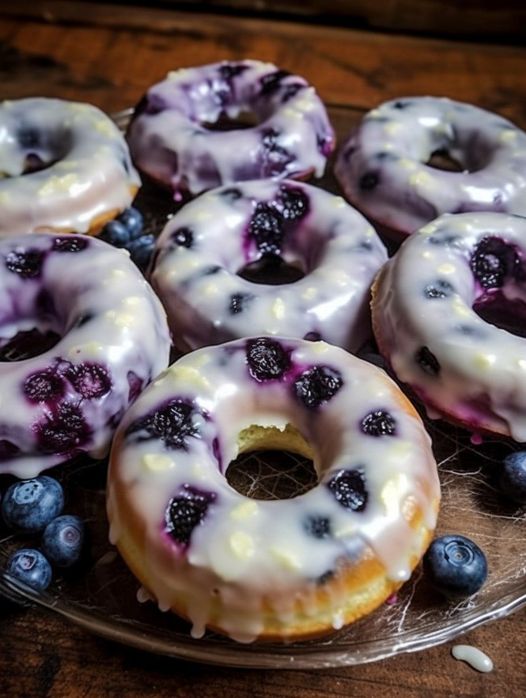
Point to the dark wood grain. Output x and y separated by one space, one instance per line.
109 58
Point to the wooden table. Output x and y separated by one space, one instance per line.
108 56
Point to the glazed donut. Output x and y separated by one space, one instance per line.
447 310
172 140
383 167
203 248
112 338
281 569
64 166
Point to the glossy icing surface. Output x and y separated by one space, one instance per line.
206 244
172 139
64 166
449 312
112 339
241 559
383 167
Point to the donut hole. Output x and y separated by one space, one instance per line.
272 270
466 153
272 464
245 119
505 313
41 149
441 159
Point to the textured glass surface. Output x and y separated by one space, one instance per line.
102 594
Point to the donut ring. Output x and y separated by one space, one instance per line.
282 569
382 167
114 339
429 309
64 166
205 245
171 140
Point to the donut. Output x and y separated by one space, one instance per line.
64 166
449 315
110 337
172 137
207 244
384 166
279 569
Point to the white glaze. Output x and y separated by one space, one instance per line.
126 330
482 380
248 553
170 142
90 175
334 245
474 657
395 141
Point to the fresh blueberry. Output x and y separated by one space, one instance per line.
133 221
349 490
267 359
172 423
43 386
63 430
62 540
70 243
513 477
115 233
30 567
379 423
493 261
185 511
427 361
89 379
317 385
456 566
29 505
238 302
266 229
318 526
438 289
27 263
141 250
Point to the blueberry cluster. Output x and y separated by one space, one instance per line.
126 231
35 507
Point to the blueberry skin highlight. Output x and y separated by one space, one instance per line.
30 567
141 250
29 505
512 479
115 233
63 539
456 566
133 221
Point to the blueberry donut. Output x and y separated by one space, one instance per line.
279 569
64 166
110 338
449 314
203 250
386 167
175 135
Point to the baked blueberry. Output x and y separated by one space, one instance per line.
231 70
512 479
63 539
70 243
272 82
238 302
379 423
185 511
141 250
30 567
27 263
493 261
349 490
115 233
267 359
173 423
318 526
317 385
89 379
369 181
456 566
29 505
427 361
133 221
294 203
63 430
43 386
266 229
438 289
183 237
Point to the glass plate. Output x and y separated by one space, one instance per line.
101 595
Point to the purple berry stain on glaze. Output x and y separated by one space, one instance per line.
90 380
317 385
317 526
135 386
267 359
185 511
43 386
349 490
25 263
173 423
